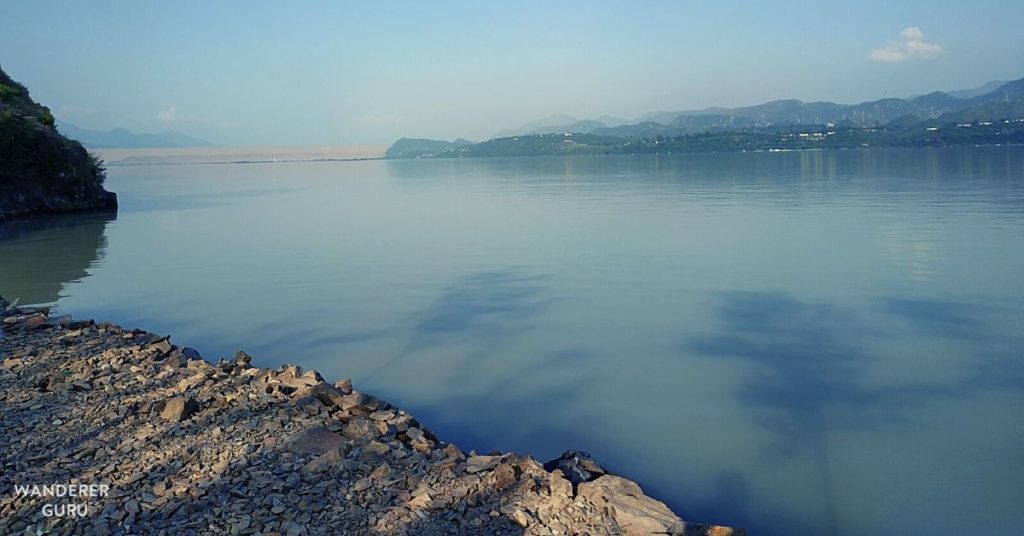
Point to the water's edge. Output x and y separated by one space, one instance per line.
127 384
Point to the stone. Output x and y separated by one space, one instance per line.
344 385
453 452
242 358
635 513
415 434
359 428
560 486
362 484
504 475
192 381
292 528
56 378
376 448
290 371
315 440
179 408
163 346
577 466
330 459
308 404
382 415
327 394
381 472
476 464
520 518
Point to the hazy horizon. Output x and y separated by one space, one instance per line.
324 74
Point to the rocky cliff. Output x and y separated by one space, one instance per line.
42 171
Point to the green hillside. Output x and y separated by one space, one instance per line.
42 171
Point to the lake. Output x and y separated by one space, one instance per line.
794 343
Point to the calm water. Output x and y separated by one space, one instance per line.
797 343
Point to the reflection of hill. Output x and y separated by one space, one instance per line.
38 256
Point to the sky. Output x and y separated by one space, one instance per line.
334 73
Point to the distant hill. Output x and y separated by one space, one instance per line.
974 92
419 147
781 113
121 138
42 171
783 138
534 127
937 119
1005 103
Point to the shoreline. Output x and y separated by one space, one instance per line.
192 447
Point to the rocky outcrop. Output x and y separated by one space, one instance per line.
42 171
185 446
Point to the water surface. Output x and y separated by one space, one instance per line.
797 343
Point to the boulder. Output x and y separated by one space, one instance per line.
577 466
359 428
476 464
163 346
635 513
179 408
344 385
328 460
327 394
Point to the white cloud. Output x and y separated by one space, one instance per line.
911 46
167 115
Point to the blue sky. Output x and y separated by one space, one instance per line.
296 73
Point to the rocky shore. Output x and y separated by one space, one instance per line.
108 430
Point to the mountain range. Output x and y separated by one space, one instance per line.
994 100
121 138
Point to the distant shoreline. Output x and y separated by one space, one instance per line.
775 139
222 162
140 163
121 157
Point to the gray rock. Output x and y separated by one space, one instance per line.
344 385
292 528
521 518
359 428
577 466
328 394
636 513
316 440
179 408
242 358
163 346
476 464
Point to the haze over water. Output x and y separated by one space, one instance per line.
794 343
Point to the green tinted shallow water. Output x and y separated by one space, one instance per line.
797 343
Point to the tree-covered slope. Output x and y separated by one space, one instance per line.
42 171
